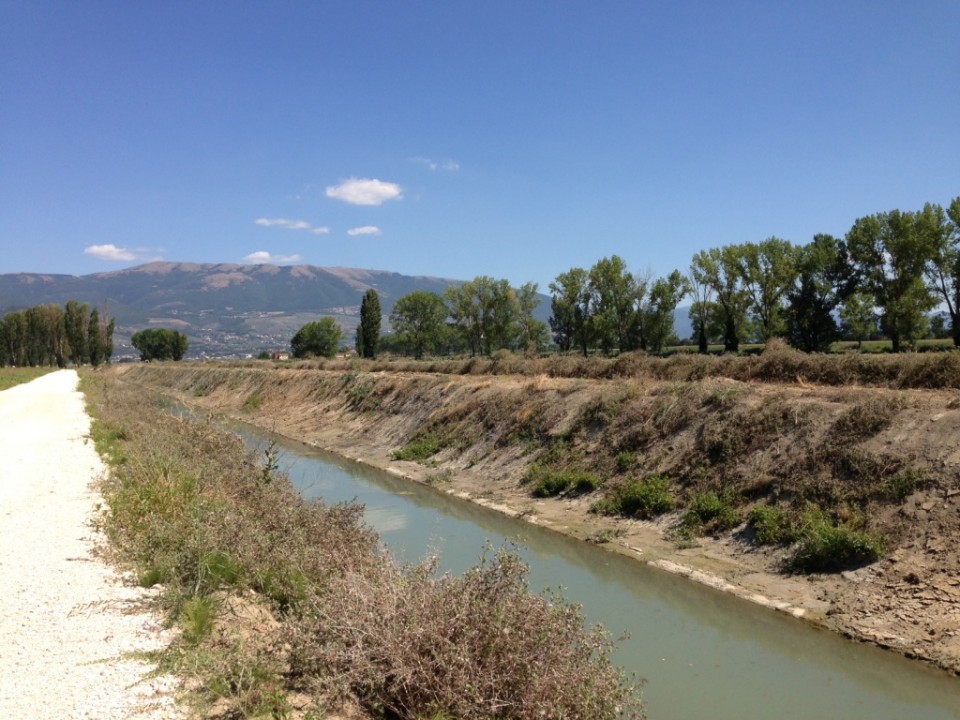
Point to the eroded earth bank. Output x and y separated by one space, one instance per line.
880 463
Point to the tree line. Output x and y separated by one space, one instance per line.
54 335
884 276
888 272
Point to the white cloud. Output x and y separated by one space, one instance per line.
320 230
284 223
365 230
111 252
262 256
434 165
365 191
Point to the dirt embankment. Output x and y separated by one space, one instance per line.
884 461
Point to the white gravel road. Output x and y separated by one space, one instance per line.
66 619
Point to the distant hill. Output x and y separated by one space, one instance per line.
224 309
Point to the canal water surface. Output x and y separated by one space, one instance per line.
702 653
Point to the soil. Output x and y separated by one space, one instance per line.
494 427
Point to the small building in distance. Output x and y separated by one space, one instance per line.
280 355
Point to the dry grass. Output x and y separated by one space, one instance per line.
938 368
187 508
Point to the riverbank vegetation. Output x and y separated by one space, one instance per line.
289 608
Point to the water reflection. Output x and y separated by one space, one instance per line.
705 654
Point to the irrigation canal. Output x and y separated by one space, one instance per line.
702 653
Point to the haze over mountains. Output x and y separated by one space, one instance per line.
226 310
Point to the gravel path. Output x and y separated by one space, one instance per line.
65 617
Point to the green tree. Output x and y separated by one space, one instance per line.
486 313
719 269
15 339
159 343
701 310
824 281
419 319
768 270
533 333
320 338
891 254
571 308
56 334
858 317
95 340
942 230
665 294
368 332
76 321
615 296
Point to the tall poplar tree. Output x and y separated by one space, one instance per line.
368 332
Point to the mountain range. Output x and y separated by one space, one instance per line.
224 309
228 310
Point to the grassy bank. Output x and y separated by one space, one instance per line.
15 376
290 609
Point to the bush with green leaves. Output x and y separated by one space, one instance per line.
827 546
548 482
419 449
709 512
772 525
638 498
317 339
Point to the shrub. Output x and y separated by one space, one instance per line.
708 512
419 449
898 487
626 460
825 546
484 647
638 498
772 525
550 483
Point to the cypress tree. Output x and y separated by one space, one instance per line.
368 333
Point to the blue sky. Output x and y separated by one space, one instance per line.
506 138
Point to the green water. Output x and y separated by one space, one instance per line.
702 653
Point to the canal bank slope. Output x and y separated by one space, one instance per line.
878 459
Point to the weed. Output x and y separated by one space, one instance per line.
626 460
358 393
438 478
709 512
271 462
419 449
826 546
197 618
550 483
637 498
253 402
606 535
772 525
900 486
